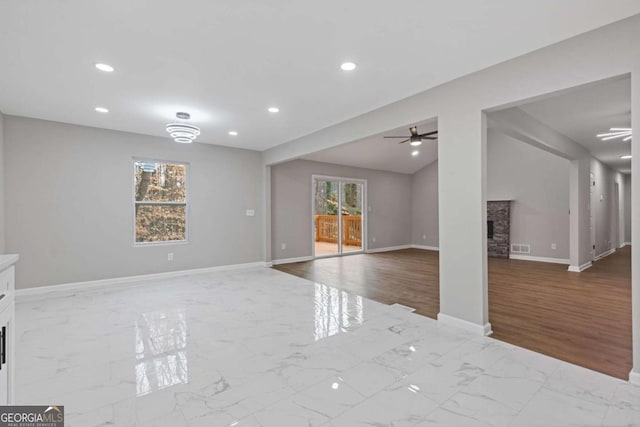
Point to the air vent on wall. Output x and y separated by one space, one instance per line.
520 248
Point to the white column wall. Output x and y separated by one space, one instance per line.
635 221
463 219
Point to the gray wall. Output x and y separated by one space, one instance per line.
424 206
538 184
2 173
69 209
388 197
627 208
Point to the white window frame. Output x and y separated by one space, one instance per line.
186 202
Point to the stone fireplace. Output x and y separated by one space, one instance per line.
498 226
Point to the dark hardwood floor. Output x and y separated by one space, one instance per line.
583 318
409 277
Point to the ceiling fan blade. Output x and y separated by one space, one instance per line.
435 132
402 142
432 138
395 136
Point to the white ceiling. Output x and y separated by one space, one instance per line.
226 61
583 113
383 154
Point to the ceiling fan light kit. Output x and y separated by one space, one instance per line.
415 137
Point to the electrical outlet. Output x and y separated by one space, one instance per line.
554 246
424 237
283 246
170 256
251 212
373 239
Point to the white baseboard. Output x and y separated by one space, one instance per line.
426 248
605 254
580 268
446 320
291 260
540 259
268 264
634 377
388 248
627 243
29 294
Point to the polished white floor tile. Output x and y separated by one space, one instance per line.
260 348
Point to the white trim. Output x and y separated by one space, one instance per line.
388 248
29 294
291 260
627 243
426 248
604 254
446 320
403 307
186 203
580 268
268 264
565 261
634 377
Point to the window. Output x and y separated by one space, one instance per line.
160 198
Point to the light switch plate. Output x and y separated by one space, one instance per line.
251 212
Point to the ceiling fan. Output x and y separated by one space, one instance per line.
415 137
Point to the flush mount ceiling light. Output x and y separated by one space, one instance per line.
182 132
415 153
233 133
273 109
105 67
348 66
616 133
628 156
102 110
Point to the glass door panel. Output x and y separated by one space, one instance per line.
352 220
326 221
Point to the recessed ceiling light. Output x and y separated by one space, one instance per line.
628 156
415 153
233 133
348 66
105 67
273 109
102 110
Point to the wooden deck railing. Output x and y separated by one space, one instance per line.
327 229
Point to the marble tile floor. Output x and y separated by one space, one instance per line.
260 348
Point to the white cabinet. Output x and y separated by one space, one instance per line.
7 336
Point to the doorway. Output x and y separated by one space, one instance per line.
339 217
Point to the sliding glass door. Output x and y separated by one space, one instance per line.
338 216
